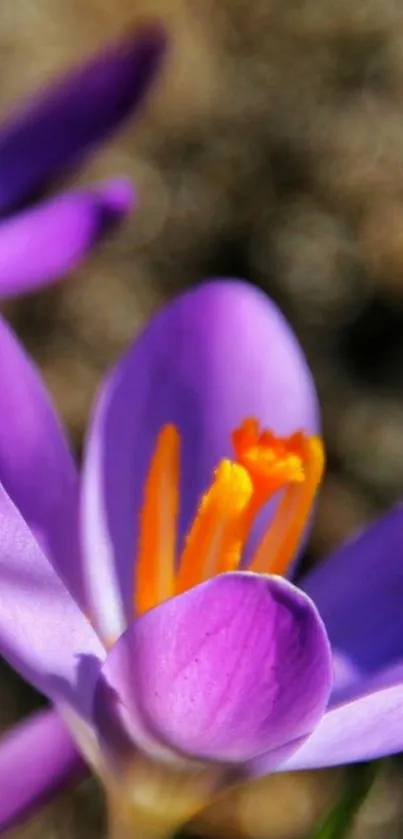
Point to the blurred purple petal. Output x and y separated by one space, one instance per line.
232 668
36 466
76 112
359 593
43 633
37 760
215 355
368 727
39 246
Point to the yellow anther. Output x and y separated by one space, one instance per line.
216 538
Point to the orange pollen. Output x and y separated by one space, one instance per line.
264 466
272 462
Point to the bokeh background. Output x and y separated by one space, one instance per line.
271 149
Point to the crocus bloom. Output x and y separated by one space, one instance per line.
148 601
46 136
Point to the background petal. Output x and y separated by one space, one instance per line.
43 633
215 355
232 668
368 727
359 593
76 112
36 467
37 759
39 246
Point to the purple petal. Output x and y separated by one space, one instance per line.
37 760
359 593
39 246
43 633
216 355
76 112
36 467
368 727
232 668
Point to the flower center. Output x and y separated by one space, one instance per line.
263 466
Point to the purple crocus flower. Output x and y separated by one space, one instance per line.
174 672
52 132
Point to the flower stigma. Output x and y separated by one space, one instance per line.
264 466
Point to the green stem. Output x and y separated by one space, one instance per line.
359 782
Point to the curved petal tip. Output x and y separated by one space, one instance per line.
77 111
234 668
39 246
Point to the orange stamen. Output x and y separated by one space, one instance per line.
216 538
279 544
265 465
155 563
271 461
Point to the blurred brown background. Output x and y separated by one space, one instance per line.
272 149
